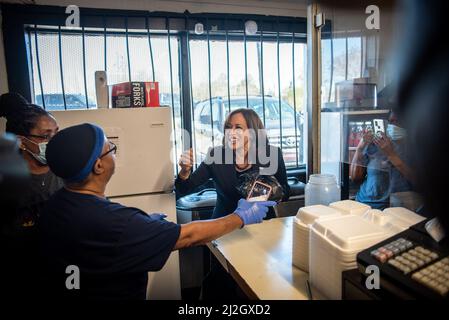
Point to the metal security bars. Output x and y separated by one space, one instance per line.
294 98
39 68
228 72
279 86
175 123
246 68
153 77
264 71
60 67
240 83
84 69
261 76
52 90
105 45
210 88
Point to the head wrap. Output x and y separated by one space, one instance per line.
72 152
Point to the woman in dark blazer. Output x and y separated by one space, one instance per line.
244 152
245 145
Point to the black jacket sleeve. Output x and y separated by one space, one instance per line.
200 176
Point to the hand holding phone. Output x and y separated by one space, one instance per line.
259 192
252 212
379 127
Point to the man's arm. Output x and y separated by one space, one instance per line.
201 232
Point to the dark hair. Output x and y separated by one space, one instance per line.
252 121
21 116
260 147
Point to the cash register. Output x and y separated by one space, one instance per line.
412 265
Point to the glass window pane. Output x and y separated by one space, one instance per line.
94 62
206 97
48 47
72 66
354 57
352 88
139 55
117 59
291 138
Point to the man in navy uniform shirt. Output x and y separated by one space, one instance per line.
112 245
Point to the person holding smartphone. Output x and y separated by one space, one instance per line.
227 178
226 175
380 163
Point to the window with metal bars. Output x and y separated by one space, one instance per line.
265 72
201 76
64 62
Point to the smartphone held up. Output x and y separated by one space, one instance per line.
259 192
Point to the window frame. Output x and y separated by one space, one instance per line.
16 43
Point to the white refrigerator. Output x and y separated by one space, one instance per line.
144 173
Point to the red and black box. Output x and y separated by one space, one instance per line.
135 95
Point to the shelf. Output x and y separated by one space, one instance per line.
358 112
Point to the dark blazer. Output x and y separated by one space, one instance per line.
225 178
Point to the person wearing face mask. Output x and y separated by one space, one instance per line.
380 164
33 127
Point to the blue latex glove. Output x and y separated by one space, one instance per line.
157 216
253 212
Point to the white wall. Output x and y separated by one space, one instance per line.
295 8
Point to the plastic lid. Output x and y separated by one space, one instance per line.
350 207
309 214
350 232
402 217
376 216
322 179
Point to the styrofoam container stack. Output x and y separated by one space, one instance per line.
301 230
327 239
334 244
350 207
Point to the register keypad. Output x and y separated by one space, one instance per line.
435 276
413 259
403 255
392 249
410 262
